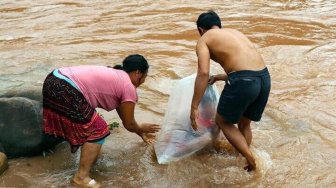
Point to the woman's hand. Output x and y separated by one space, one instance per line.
149 128
148 138
148 132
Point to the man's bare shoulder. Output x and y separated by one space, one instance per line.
202 40
224 36
215 33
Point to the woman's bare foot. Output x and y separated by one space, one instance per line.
85 182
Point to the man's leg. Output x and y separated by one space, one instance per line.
244 126
89 155
237 139
216 139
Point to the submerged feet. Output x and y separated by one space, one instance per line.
85 182
251 164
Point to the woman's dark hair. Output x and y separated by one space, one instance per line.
208 19
132 63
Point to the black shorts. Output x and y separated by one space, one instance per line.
245 94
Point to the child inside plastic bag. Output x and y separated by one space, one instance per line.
177 139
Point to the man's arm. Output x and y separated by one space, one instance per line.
222 77
217 77
202 79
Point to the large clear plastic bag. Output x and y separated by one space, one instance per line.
177 139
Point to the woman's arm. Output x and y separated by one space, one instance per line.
126 114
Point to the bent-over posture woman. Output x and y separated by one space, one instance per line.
71 95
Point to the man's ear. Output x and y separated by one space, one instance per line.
200 30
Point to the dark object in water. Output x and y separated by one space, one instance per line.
21 131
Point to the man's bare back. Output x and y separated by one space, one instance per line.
247 87
232 50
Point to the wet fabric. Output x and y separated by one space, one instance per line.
68 115
245 94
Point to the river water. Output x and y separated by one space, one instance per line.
295 143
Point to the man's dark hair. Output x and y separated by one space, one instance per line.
208 19
132 63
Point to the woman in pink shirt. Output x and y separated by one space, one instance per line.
71 95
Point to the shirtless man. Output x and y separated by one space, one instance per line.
247 79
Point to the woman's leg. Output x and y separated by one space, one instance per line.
89 155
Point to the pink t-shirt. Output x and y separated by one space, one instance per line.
103 87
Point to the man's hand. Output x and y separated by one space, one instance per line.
217 77
212 79
193 117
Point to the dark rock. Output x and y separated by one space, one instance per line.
21 131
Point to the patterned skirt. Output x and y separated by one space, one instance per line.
68 115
